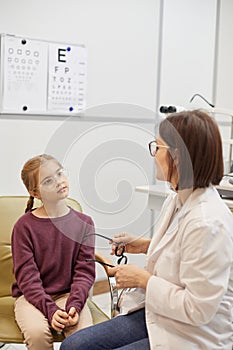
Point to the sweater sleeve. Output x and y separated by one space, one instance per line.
84 272
27 274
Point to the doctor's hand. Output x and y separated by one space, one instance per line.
133 245
130 276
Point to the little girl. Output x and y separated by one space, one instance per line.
52 276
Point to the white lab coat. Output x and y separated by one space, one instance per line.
189 298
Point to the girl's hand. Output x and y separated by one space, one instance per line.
59 320
130 276
72 321
133 245
73 317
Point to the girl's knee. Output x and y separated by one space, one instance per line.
38 338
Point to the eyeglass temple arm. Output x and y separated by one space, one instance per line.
119 245
99 235
100 262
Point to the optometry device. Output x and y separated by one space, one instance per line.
171 109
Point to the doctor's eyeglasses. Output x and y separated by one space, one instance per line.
154 147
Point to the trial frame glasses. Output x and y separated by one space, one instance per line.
119 251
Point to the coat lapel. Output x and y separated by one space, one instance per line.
162 223
164 230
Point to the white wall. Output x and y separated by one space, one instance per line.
121 67
225 54
120 37
188 46
224 73
140 54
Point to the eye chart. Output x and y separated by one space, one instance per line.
40 77
67 78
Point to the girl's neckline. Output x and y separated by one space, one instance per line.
44 215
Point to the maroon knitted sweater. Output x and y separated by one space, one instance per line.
49 258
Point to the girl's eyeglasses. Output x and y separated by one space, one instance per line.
50 182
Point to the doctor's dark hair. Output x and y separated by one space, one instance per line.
30 175
194 136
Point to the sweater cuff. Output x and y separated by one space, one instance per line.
51 312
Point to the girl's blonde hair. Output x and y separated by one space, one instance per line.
30 175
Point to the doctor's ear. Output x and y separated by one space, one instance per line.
175 156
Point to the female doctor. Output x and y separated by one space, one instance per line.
183 298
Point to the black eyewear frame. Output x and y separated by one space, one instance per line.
119 251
